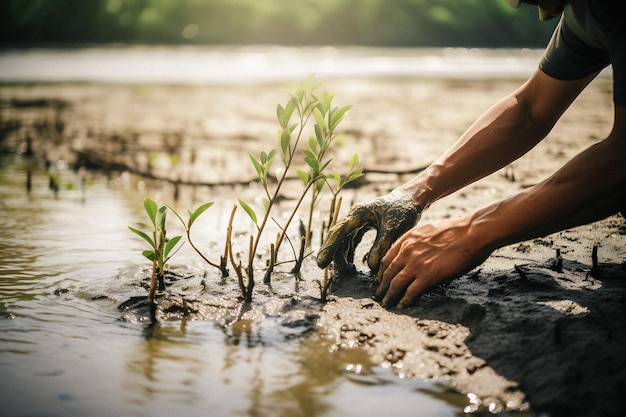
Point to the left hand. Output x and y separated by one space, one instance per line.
425 256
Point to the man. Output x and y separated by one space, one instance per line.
591 35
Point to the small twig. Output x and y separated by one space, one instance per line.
298 265
521 273
250 270
595 267
557 265
270 265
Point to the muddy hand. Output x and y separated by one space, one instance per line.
392 215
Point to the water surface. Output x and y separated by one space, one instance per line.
66 351
196 64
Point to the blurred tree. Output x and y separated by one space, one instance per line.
355 22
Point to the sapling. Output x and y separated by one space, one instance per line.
160 248
304 105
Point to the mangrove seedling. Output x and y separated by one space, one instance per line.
193 215
304 104
160 247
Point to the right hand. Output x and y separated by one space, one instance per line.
392 215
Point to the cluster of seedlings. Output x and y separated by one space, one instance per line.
309 159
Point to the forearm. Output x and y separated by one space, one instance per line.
590 187
501 135
504 133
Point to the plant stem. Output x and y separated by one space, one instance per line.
270 267
229 250
254 242
152 290
207 260
298 265
250 272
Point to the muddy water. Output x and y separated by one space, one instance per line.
66 262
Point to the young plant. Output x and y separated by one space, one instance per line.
327 119
302 105
161 248
193 215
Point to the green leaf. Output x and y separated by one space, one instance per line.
326 100
354 161
319 136
171 243
337 115
257 166
148 254
147 226
162 217
324 165
356 175
270 157
248 210
262 202
177 215
319 184
143 235
285 140
289 108
319 118
337 177
304 176
280 113
313 144
308 154
193 216
310 105
151 208
314 164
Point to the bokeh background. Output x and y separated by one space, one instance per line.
469 23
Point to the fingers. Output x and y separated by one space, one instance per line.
344 255
398 282
403 289
392 225
413 293
339 237
380 247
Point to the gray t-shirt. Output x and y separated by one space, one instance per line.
590 36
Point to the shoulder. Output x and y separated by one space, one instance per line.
594 21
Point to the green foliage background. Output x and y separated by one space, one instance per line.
485 23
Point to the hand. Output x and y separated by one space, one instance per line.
424 257
392 215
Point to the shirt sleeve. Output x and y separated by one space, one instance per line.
568 57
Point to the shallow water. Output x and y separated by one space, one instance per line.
66 351
199 64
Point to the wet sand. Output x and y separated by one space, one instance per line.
515 334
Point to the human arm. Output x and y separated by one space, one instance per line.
501 135
504 133
590 187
